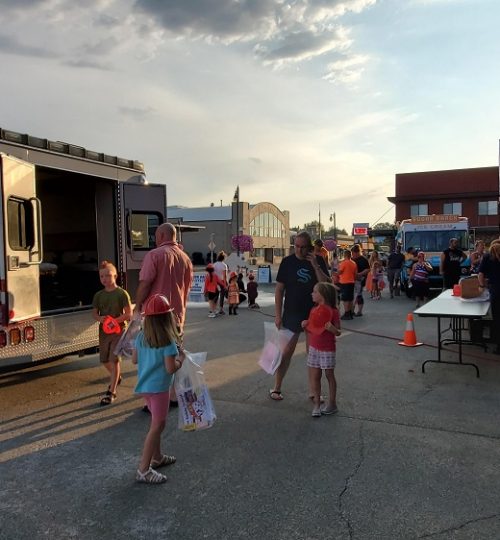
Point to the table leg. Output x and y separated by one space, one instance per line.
456 324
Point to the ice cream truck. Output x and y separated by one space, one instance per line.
431 234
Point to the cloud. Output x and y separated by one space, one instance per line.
255 160
136 112
347 70
301 46
280 32
11 45
87 64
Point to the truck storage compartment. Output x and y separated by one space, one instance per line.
69 274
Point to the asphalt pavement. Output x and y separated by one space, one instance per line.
409 455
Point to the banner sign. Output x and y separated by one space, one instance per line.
198 283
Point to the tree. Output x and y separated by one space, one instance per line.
313 228
383 225
335 232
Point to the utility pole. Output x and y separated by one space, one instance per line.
333 218
319 221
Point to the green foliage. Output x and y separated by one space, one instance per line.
383 225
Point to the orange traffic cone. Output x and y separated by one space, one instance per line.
410 339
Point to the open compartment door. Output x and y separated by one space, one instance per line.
143 210
22 244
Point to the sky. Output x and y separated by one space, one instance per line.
308 104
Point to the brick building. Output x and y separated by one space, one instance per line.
467 192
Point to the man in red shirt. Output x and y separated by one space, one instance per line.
166 270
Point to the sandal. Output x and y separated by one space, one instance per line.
163 462
275 395
118 384
150 477
108 398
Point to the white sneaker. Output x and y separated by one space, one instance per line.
316 412
211 315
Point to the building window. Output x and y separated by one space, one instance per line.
419 210
266 225
487 208
452 208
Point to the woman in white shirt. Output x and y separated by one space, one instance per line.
221 270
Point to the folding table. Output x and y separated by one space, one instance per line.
447 306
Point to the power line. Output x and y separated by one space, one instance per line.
390 208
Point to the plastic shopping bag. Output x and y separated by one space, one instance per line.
275 342
196 410
126 345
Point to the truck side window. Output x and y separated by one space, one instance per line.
143 228
20 224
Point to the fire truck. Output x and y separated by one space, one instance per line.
64 209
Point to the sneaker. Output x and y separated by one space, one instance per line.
346 317
358 314
212 315
222 312
316 412
329 410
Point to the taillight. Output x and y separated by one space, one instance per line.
15 336
3 338
29 333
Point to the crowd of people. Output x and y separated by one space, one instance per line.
220 284
312 290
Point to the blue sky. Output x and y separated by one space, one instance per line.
300 103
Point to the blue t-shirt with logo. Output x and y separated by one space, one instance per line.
152 375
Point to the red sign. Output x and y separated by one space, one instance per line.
360 231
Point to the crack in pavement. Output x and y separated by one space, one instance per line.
386 421
458 527
343 514
421 426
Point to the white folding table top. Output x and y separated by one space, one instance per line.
453 306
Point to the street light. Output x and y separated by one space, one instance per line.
333 218
236 199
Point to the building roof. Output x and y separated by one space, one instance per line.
204 213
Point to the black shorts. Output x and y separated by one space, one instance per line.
213 295
347 292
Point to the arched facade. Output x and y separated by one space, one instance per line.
268 226
270 229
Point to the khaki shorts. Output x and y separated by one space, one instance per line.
107 344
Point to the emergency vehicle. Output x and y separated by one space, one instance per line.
64 209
